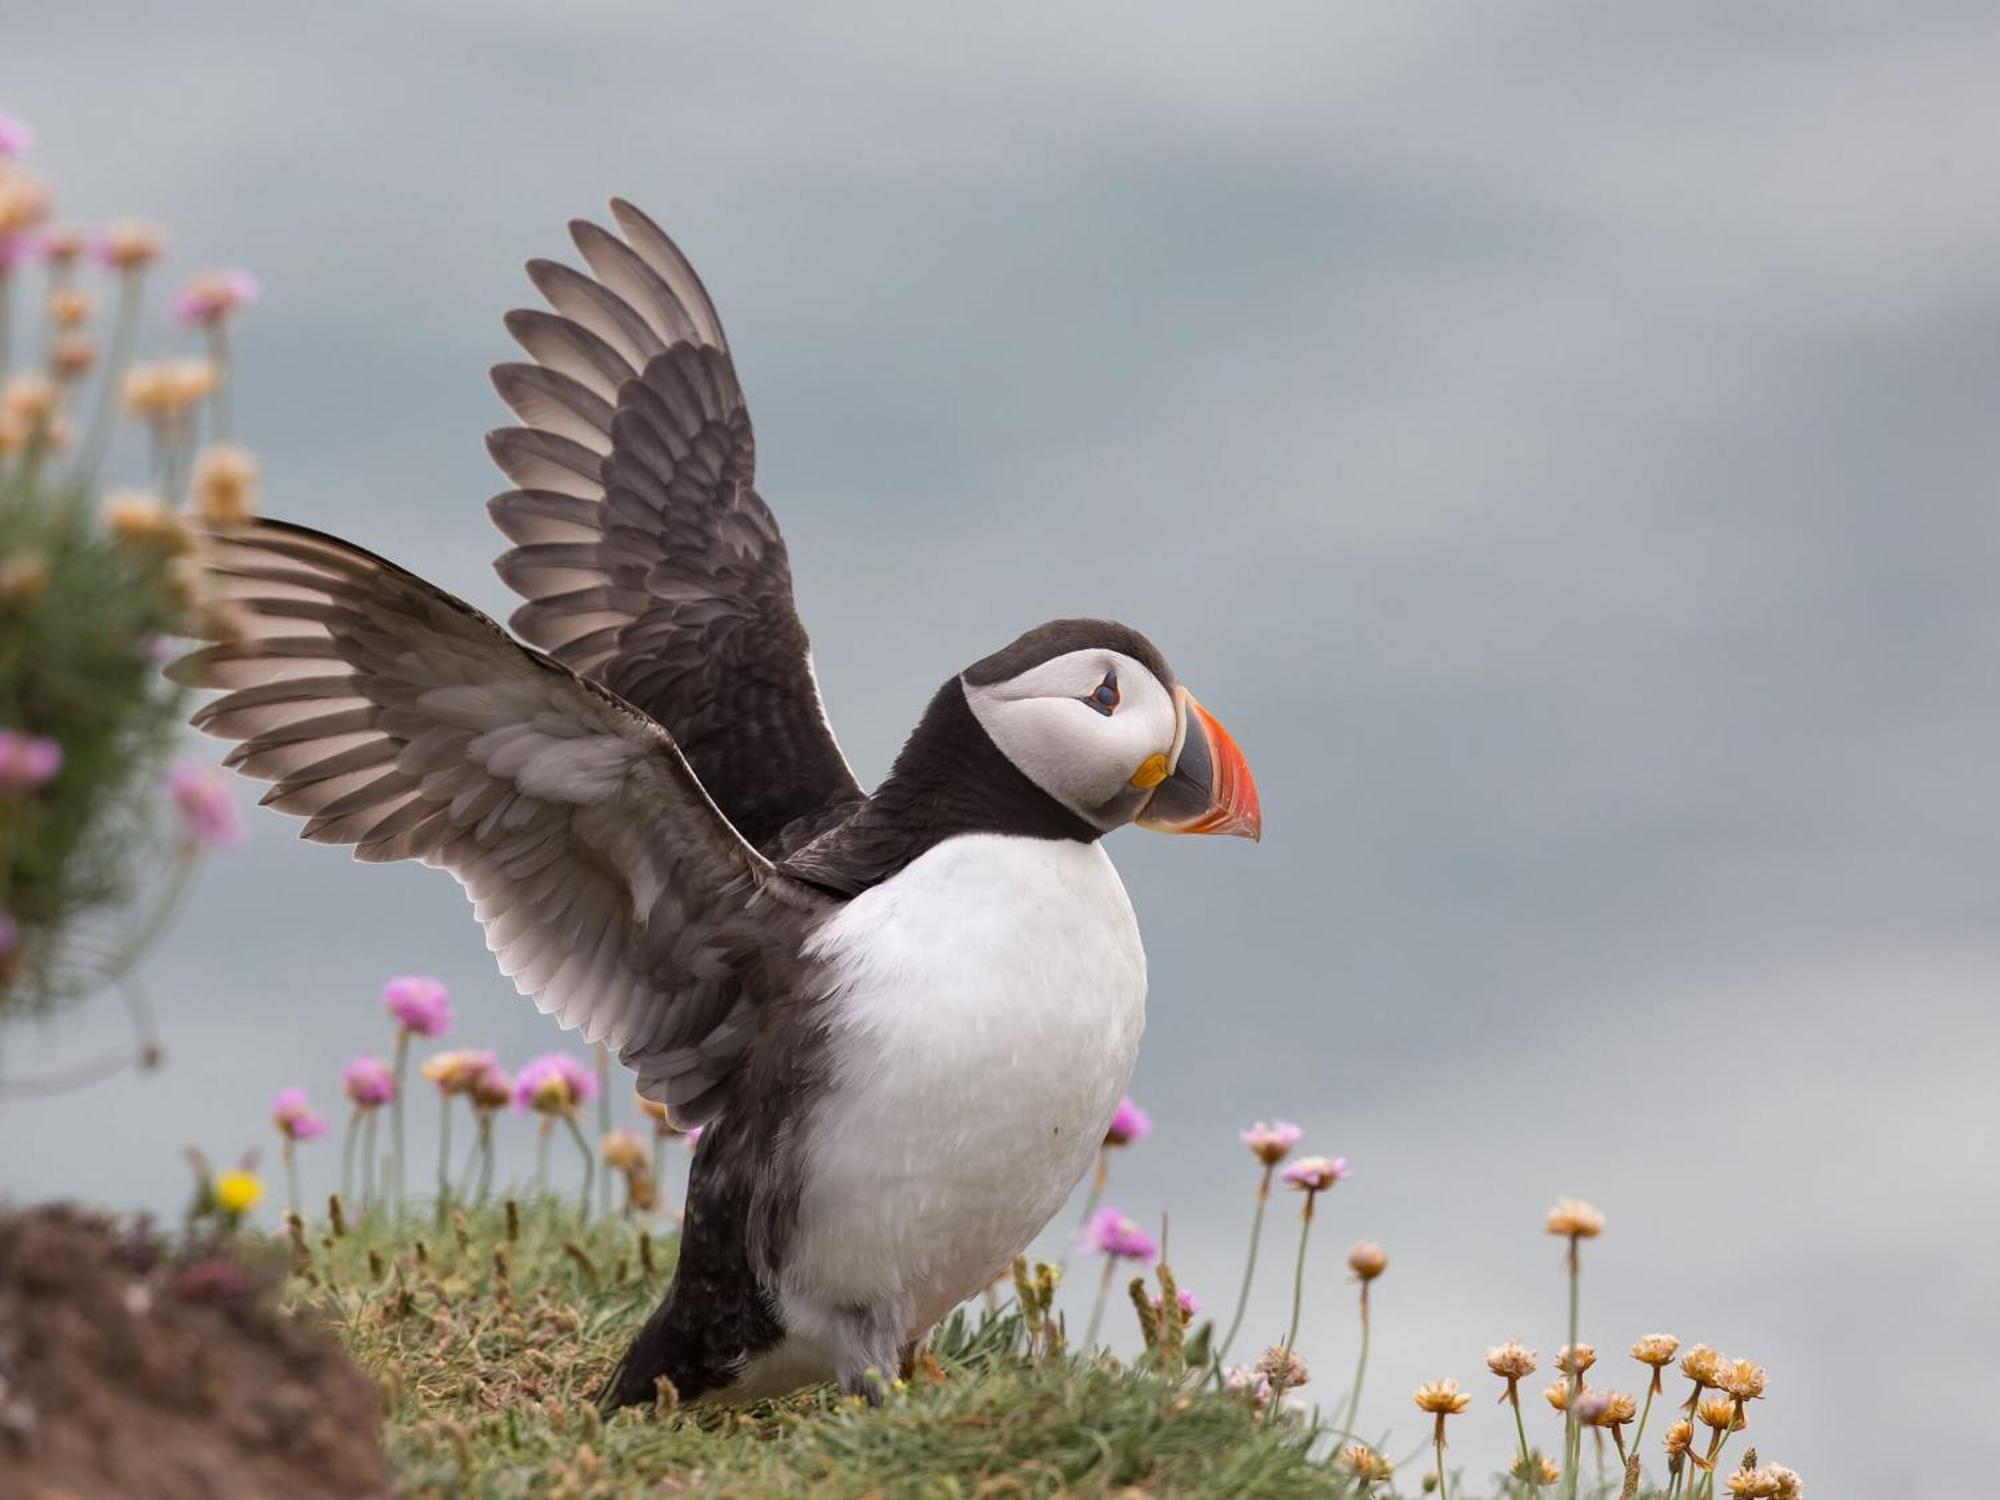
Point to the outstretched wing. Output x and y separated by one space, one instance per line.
647 559
401 721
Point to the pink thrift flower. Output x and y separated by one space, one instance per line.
369 1082
28 762
1190 1303
211 297
14 250
1129 1126
1110 1233
294 1119
1271 1144
1242 1379
17 137
208 814
421 1006
554 1084
1315 1174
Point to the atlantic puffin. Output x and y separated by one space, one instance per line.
904 1019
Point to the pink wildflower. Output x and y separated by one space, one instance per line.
1272 1143
368 1081
27 762
420 1005
1190 1303
1244 1380
208 813
208 299
554 1084
1110 1233
1315 1174
294 1119
16 137
1129 1126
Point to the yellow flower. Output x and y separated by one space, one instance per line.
238 1192
1656 1349
1442 1397
1367 1260
1575 1219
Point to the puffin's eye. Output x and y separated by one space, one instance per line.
1104 697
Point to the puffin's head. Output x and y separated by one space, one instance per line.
1089 711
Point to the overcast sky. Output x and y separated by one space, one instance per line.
1559 442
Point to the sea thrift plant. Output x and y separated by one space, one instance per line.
420 1006
28 762
295 1122
1311 1175
1110 1234
1129 1125
1367 1260
209 818
369 1083
1575 1221
453 1073
1270 1145
554 1086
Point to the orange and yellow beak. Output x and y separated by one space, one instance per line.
1209 788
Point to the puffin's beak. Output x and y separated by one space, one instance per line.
1210 789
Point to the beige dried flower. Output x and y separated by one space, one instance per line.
1511 1361
1606 1409
24 578
1700 1364
72 356
24 202
1443 1397
1790 1486
1741 1378
63 247
1754 1484
1719 1413
190 381
144 391
1365 1464
1282 1366
29 399
138 519
1679 1435
1557 1395
70 308
1575 1219
130 245
1367 1260
1656 1349
1535 1469
225 484
1577 1361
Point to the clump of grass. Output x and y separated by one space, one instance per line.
491 1340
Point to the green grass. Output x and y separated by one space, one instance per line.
490 1347
489 1351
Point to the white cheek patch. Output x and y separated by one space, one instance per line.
1081 757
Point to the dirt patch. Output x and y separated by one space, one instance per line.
127 1369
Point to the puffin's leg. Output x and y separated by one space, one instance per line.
866 1345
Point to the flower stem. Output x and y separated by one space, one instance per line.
347 1157
1529 1481
396 1119
485 1154
1572 1433
1443 1493
1098 1181
291 1175
368 1163
603 1121
542 1154
1361 1369
1249 1264
124 330
1097 1307
218 400
444 1158
589 1162
1299 1272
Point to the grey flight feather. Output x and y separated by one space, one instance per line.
401 721
646 557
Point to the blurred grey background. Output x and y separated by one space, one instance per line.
1559 442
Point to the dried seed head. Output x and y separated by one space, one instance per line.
1575 1362
1700 1365
1575 1219
130 246
1605 1409
1535 1469
69 308
1364 1463
1656 1349
63 247
24 577
1719 1413
138 519
1367 1260
1511 1361
1790 1486
225 489
1284 1367
29 399
24 202
1441 1397
1557 1395
1679 1436
72 356
1741 1378
1754 1484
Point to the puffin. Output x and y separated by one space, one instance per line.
903 1019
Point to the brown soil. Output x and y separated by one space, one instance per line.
126 1370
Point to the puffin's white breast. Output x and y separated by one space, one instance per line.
989 1004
